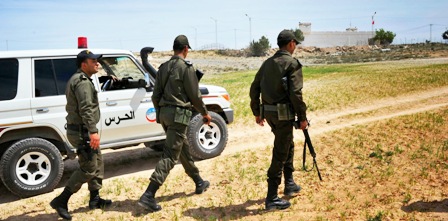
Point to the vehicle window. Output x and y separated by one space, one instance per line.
51 76
9 75
123 68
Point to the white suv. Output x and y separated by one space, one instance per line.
32 114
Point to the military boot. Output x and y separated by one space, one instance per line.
291 187
97 202
272 199
147 200
201 185
60 204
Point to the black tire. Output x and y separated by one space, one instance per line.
207 141
31 166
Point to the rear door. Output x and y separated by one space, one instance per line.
50 80
14 103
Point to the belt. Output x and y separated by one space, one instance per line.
171 106
268 107
75 127
174 106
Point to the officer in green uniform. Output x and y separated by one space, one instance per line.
83 114
176 92
279 81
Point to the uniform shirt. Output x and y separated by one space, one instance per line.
82 102
177 85
268 82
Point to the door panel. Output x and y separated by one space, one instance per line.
14 103
124 115
50 80
127 112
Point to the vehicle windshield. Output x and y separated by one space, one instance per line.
120 67
123 69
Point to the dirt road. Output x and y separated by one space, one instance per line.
254 136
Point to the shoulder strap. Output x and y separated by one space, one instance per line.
168 77
287 76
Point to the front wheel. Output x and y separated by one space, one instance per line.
31 166
207 141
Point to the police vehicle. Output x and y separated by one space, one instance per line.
33 143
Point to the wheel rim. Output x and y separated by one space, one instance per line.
209 136
33 168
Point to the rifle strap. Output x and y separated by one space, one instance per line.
168 77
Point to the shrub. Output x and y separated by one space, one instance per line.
260 47
299 35
384 37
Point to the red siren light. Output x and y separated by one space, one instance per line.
82 42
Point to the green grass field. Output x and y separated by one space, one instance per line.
332 87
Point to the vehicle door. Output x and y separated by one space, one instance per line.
14 102
51 75
127 112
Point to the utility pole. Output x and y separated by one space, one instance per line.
195 37
373 23
235 38
430 32
216 30
250 28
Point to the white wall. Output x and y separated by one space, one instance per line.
332 39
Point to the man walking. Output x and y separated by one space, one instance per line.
279 81
83 114
176 92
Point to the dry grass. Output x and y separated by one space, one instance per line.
390 170
394 169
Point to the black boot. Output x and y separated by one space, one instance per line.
60 204
201 185
291 187
97 202
272 199
147 200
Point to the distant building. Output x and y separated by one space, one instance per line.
350 37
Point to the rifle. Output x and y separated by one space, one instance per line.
199 74
84 148
311 148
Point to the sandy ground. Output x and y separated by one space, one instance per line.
139 161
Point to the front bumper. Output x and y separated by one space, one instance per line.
229 115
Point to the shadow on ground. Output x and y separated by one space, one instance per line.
230 212
116 163
426 207
124 206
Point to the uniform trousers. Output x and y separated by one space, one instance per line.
176 148
90 170
283 151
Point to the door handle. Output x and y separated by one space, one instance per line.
145 101
111 103
42 110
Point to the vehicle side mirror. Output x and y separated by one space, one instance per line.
148 82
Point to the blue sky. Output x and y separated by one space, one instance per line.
133 24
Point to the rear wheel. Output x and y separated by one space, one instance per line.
31 166
207 141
